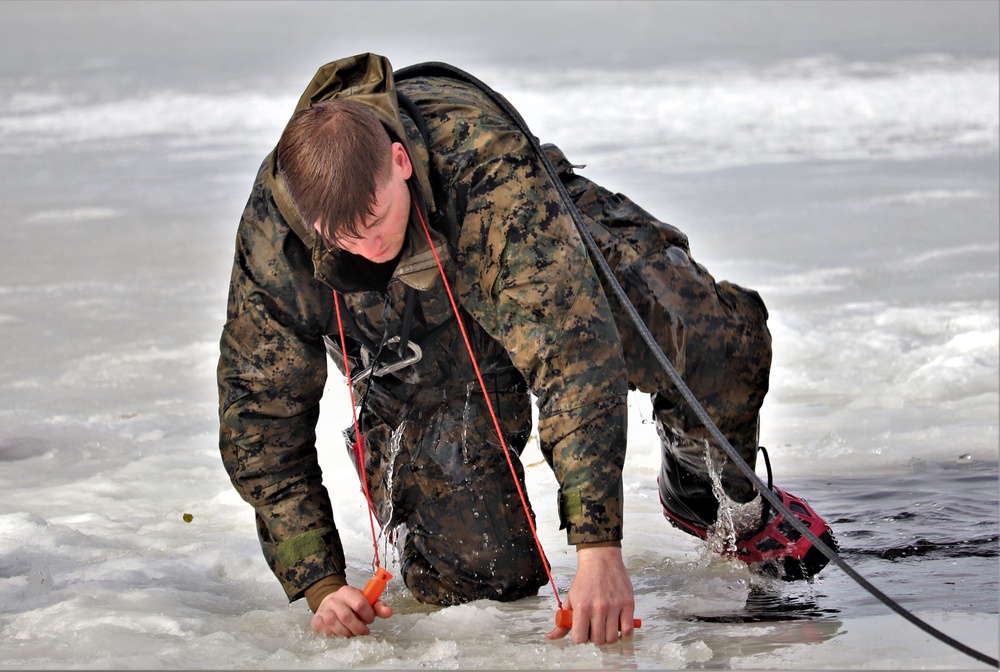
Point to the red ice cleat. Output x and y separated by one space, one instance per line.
775 548
780 549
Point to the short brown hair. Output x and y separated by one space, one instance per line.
333 156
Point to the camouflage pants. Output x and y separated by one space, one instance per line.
437 472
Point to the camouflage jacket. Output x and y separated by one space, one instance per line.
520 273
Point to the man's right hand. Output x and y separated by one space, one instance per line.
346 613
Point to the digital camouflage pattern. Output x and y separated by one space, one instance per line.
539 320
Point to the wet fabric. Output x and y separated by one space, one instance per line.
440 479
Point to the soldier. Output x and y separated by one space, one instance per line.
332 243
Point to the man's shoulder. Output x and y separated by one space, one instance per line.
440 97
464 127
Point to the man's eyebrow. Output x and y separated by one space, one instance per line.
378 217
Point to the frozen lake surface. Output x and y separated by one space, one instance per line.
841 159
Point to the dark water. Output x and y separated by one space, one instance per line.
929 541
923 539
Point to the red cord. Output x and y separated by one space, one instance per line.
359 439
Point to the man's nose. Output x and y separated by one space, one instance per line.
370 246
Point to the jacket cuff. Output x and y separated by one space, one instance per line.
599 544
317 592
302 560
590 520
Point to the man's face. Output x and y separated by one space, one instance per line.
382 234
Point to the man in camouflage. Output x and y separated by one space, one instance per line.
540 323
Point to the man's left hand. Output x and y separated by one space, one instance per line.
600 597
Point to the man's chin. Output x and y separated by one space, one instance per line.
387 254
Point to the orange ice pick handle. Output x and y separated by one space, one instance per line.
373 589
564 619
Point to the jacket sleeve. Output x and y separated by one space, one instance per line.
524 273
271 374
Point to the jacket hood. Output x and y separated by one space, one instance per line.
367 79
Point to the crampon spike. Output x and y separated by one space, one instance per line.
564 619
373 589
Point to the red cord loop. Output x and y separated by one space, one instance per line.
359 438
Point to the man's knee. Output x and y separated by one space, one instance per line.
428 585
470 564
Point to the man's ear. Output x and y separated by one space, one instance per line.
401 161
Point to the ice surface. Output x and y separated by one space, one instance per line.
841 158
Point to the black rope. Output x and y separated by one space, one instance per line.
443 69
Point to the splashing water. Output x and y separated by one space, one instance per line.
734 520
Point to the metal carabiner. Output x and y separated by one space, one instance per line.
416 354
